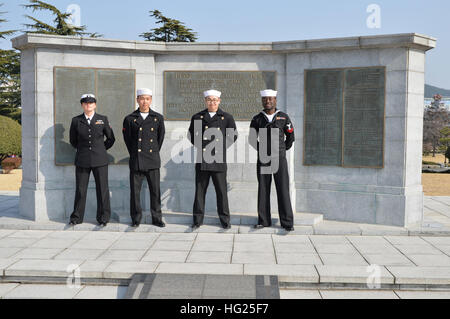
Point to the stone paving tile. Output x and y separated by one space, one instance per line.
172 245
93 244
166 256
298 259
93 268
53 243
5 288
431 260
136 236
132 244
406 240
381 230
350 274
182 237
336 228
305 248
328 239
202 237
102 292
29 234
17 242
36 267
8 252
343 259
358 294
404 294
299 294
253 238
437 240
66 235
253 247
5 263
444 248
418 250
124 255
420 275
200 268
368 240
38 253
103 235
6 232
297 239
285 273
126 269
376 249
209 257
38 291
388 260
217 246
253 258
83 254
335 249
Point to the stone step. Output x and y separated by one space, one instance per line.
211 218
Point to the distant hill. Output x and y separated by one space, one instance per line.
432 90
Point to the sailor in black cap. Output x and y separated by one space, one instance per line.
211 131
272 145
87 134
143 132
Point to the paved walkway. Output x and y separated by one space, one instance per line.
315 260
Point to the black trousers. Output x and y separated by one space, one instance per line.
281 178
102 190
153 180
201 185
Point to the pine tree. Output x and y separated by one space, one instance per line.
61 26
171 30
9 79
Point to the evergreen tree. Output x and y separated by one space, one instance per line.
171 30
61 27
9 79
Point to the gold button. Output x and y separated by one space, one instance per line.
223 118
135 120
139 150
156 120
151 141
140 140
140 129
152 129
217 140
218 128
204 150
206 127
151 151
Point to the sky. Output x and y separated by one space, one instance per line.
261 20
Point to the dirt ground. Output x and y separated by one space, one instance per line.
11 181
439 158
433 184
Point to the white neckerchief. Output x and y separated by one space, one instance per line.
211 114
144 115
270 117
89 119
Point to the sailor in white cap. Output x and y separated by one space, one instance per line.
271 118
211 131
87 134
143 132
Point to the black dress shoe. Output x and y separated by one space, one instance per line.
291 228
72 223
135 224
159 224
258 226
227 226
195 226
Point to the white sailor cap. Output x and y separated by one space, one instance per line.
88 98
144 91
212 93
267 93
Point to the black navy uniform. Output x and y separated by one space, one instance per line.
217 169
144 139
286 136
89 140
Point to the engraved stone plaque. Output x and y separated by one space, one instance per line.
323 118
344 117
115 92
183 92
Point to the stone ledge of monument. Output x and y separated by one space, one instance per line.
387 190
412 40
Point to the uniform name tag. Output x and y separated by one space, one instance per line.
99 122
280 118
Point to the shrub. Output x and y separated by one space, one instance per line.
10 138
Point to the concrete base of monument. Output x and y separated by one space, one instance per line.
211 218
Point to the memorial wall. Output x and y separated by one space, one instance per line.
356 106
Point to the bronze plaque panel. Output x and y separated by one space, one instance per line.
323 117
115 92
344 117
183 92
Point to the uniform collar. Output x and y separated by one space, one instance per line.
219 112
266 116
137 113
